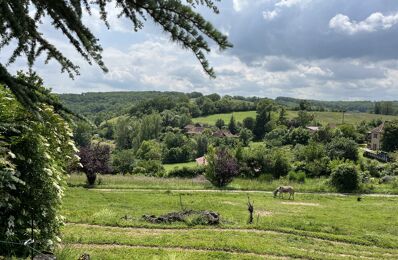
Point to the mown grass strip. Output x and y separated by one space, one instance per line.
206 252
259 242
317 237
73 251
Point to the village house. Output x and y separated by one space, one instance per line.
198 129
375 137
195 129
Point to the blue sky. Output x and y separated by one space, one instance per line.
313 49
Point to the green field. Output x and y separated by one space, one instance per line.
322 117
107 224
211 120
171 166
349 118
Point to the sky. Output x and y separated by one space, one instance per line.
310 49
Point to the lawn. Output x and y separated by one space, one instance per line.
322 117
261 184
171 166
337 117
211 120
107 224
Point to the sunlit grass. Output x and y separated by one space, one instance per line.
335 118
312 226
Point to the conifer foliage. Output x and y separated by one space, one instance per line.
179 19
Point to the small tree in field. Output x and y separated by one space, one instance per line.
245 136
95 159
222 167
220 123
232 125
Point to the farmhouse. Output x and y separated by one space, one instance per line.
198 129
375 137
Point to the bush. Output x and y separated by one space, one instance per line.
298 135
345 177
222 167
123 161
296 176
150 168
390 169
245 136
139 170
149 150
342 148
256 161
276 137
279 164
186 172
33 156
178 148
390 136
373 167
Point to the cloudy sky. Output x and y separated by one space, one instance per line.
313 49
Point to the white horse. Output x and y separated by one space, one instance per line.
284 189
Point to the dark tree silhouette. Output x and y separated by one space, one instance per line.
177 18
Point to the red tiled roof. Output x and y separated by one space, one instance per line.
201 160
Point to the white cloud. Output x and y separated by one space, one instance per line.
238 5
375 22
290 3
270 15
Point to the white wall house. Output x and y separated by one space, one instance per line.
376 136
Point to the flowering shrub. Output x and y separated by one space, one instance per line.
34 151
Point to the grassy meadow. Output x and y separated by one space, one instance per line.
322 117
107 223
171 166
313 185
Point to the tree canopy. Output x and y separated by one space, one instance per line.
20 19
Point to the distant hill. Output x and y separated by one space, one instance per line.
100 106
351 106
108 104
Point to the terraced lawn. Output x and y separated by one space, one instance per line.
108 224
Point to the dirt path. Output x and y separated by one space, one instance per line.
242 191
